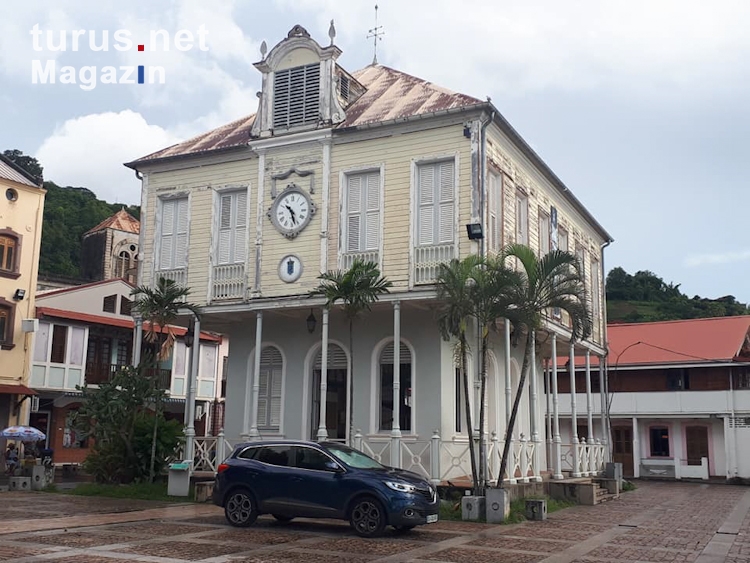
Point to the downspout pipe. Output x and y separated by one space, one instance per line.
606 431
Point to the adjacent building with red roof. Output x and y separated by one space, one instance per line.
679 398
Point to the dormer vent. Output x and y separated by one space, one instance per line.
296 96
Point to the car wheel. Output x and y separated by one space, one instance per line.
282 519
240 509
367 517
403 529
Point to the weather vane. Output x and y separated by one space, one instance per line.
376 33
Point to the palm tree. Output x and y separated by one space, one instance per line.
554 281
491 297
161 306
357 289
454 292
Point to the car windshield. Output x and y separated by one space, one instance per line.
353 458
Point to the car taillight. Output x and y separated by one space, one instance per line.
222 467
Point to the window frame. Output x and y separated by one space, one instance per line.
419 165
159 221
235 229
662 428
6 340
15 272
495 209
543 219
404 349
306 122
345 178
266 425
522 231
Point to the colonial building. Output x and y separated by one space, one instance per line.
110 249
679 394
373 164
21 209
85 336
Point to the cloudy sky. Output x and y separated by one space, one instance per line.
640 106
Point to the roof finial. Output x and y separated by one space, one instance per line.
376 33
332 32
263 49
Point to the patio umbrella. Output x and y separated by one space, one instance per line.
23 433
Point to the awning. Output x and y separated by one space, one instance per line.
16 390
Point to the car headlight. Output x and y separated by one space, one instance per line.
401 487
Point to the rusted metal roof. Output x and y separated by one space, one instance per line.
120 221
10 171
391 94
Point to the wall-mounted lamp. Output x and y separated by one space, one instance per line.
312 322
19 294
474 230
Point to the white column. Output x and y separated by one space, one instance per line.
573 412
254 434
604 399
728 453
676 431
396 424
322 430
557 442
533 411
507 377
138 340
636 450
589 401
548 398
191 387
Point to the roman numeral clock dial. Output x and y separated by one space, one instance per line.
291 211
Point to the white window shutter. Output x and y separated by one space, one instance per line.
372 219
181 233
426 197
167 235
354 212
270 388
263 398
225 230
446 211
240 229
495 208
276 396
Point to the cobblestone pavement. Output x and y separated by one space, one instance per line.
659 522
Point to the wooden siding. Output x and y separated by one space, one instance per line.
395 154
201 183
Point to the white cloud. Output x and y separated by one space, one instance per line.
650 48
717 258
89 151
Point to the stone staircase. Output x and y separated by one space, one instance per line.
584 490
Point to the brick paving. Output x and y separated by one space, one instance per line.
660 522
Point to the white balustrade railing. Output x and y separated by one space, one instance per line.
348 258
228 282
455 460
210 451
427 260
590 458
178 275
415 456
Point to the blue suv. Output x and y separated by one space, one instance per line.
321 480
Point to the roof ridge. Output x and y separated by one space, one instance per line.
674 321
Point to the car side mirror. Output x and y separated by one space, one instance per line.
333 466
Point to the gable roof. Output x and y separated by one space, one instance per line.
679 342
390 94
11 171
43 294
120 221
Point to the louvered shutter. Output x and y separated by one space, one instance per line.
269 395
263 398
426 198
495 207
522 220
544 234
181 233
296 96
386 356
372 214
275 400
446 213
225 230
336 358
240 227
354 214
167 235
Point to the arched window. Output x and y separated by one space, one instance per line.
122 264
269 396
10 249
386 388
6 323
337 395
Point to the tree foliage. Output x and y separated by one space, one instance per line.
645 297
28 163
118 415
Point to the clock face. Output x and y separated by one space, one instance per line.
291 211
290 268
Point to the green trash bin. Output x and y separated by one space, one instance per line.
178 484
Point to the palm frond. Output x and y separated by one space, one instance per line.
357 288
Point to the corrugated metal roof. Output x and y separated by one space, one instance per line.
693 341
120 221
10 172
391 94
